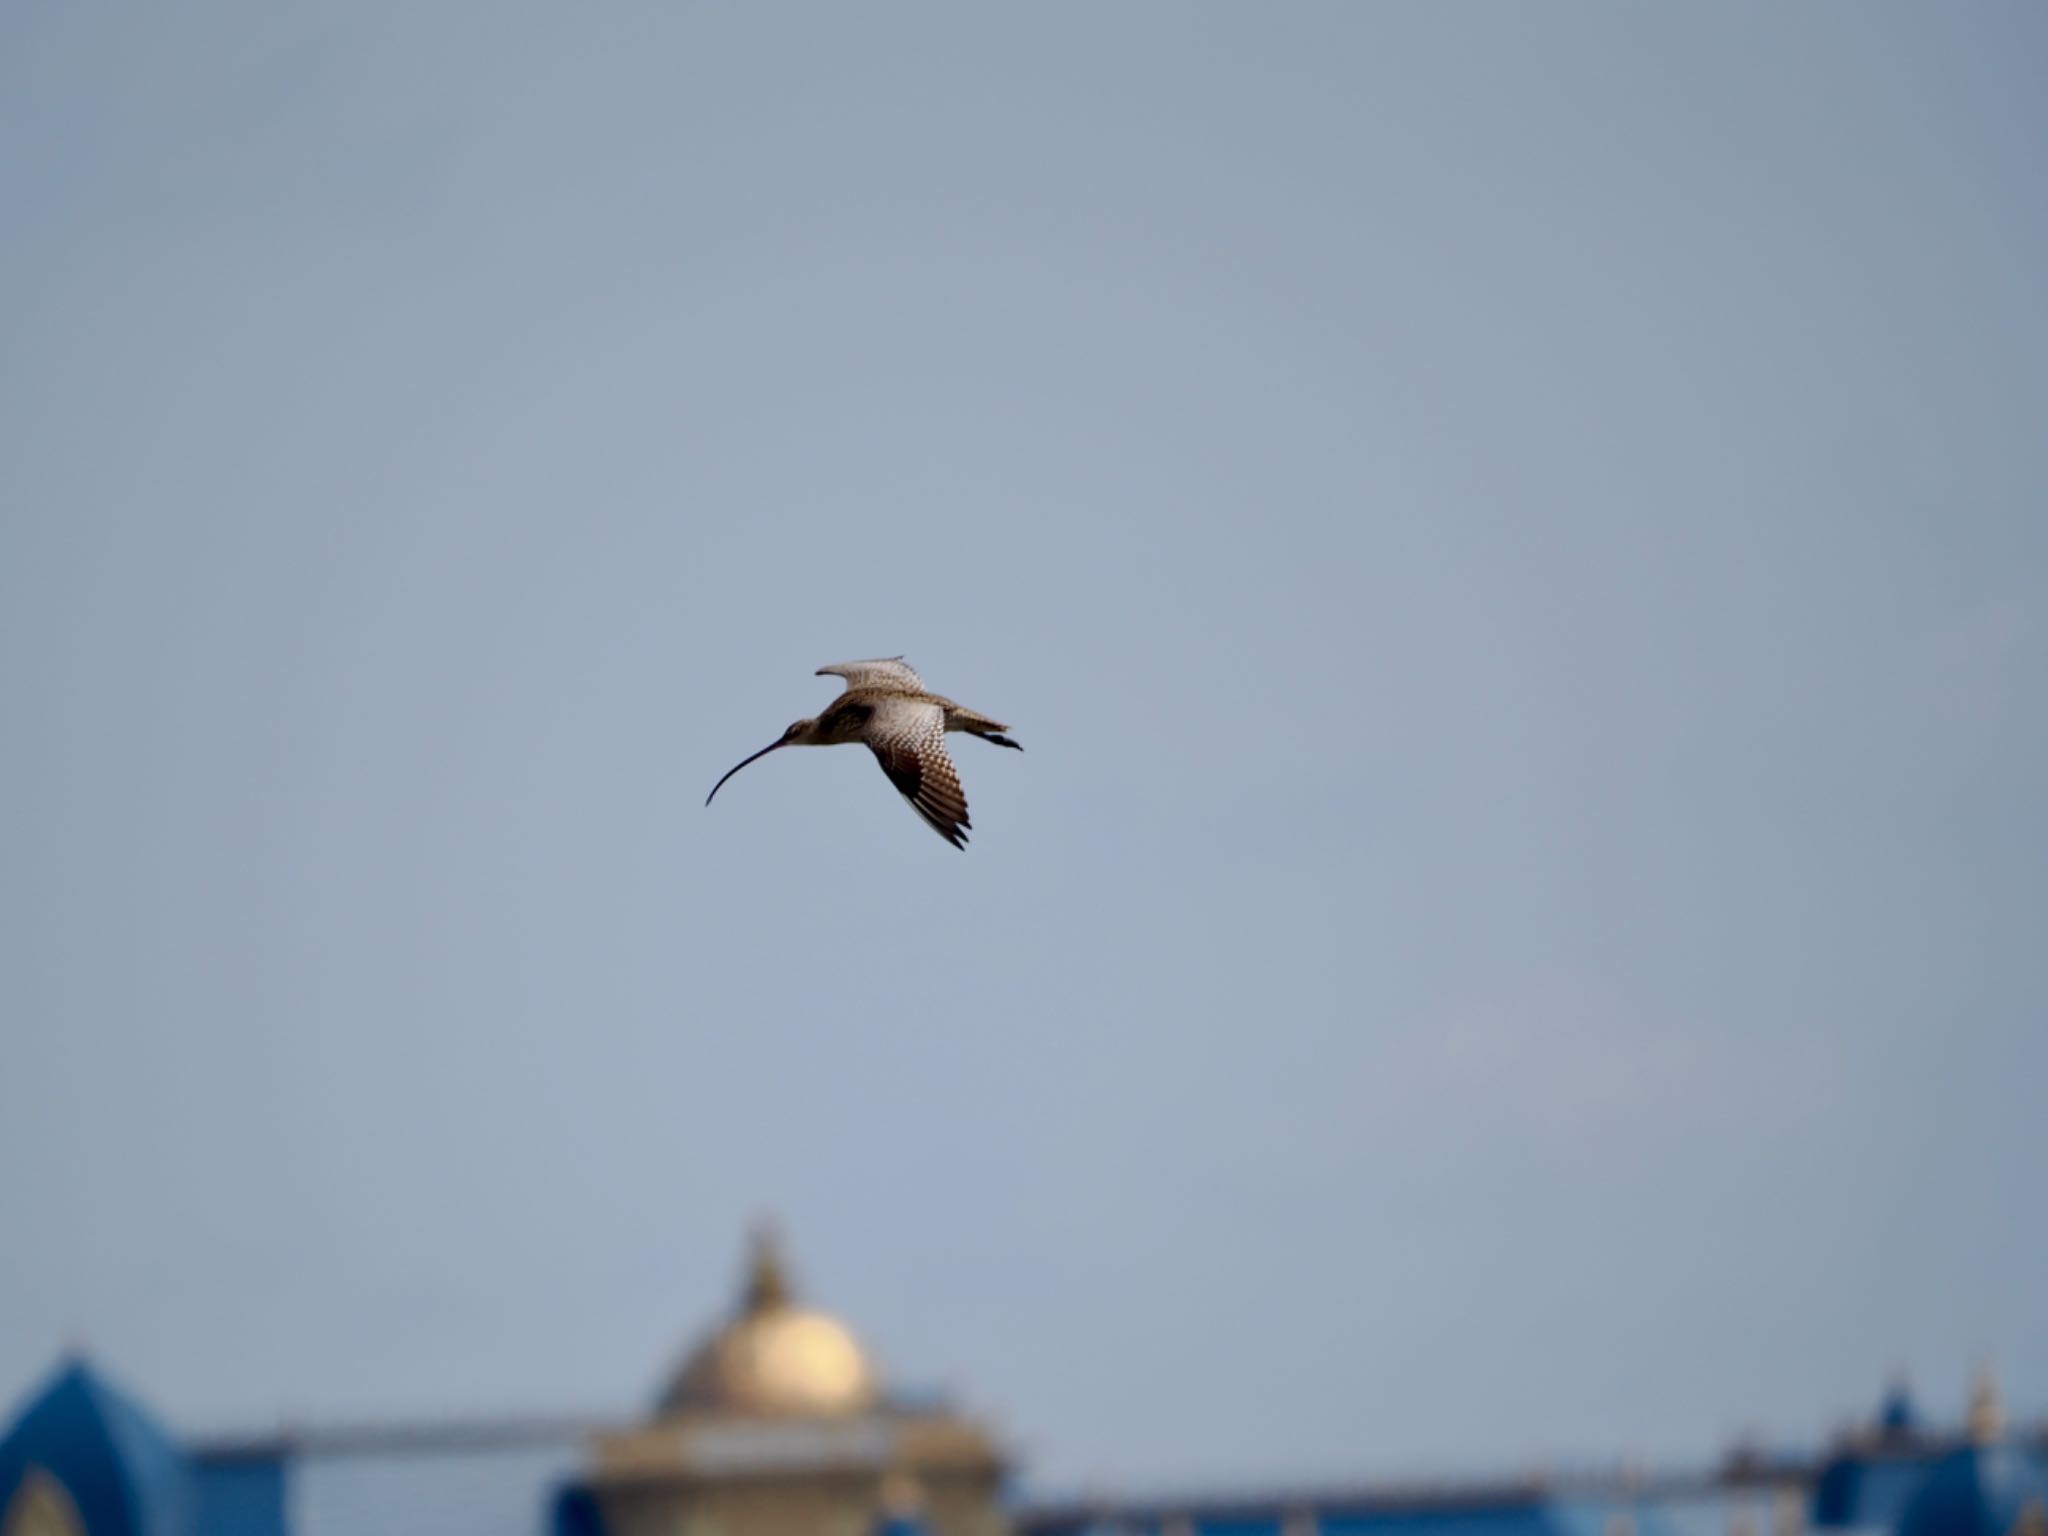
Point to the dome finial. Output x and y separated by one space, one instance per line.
774 1357
1987 1408
767 1276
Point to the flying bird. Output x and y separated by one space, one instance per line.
887 706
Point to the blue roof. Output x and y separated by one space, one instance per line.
124 1475
1979 1490
1870 1489
239 1496
1518 1518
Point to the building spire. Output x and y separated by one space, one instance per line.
1987 1408
767 1276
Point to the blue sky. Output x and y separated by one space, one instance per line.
1513 538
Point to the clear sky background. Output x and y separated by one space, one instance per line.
1515 538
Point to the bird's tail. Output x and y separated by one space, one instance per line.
958 719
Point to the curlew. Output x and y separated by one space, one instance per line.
887 706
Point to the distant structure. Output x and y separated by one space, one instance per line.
1902 1479
777 1423
1896 1477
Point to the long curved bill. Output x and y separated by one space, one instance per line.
736 767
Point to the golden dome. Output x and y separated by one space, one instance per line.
774 1358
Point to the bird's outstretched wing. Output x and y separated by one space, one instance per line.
886 672
908 738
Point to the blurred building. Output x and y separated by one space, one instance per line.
1901 1478
1896 1476
777 1424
